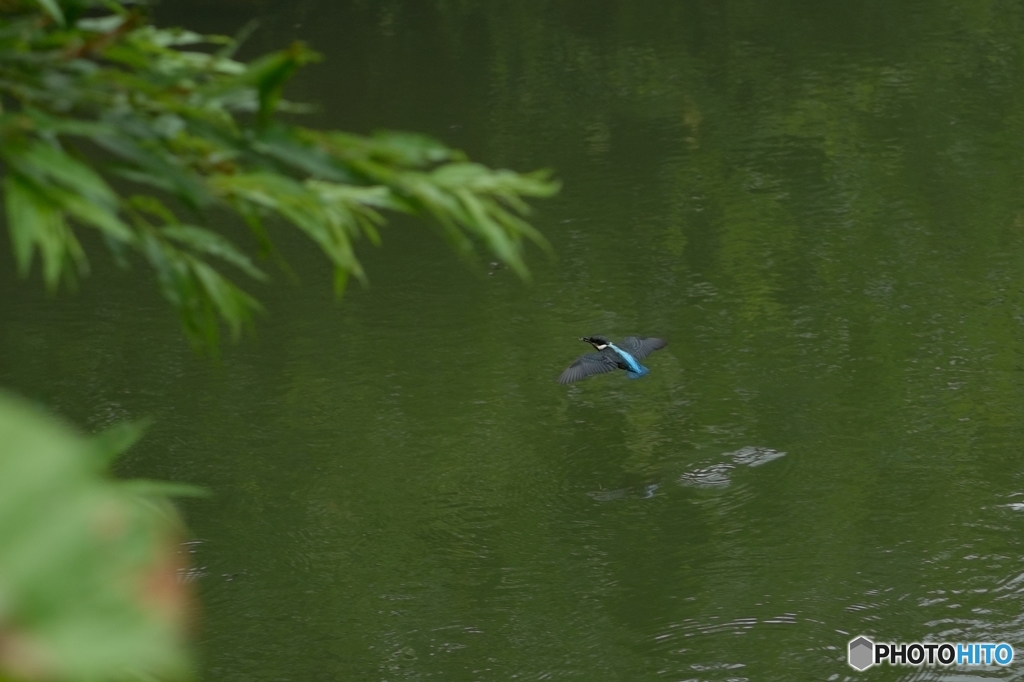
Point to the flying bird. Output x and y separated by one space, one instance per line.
610 357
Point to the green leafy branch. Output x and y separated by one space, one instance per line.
91 92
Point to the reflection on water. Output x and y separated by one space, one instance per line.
819 207
624 493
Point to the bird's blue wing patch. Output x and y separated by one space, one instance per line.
631 362
637 375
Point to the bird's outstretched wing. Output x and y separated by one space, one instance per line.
641 347
587 365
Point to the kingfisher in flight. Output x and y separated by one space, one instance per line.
610 357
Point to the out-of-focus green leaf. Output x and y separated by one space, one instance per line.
211 243
35 222
234 305
410 149
116 440
151 206
154 180
231 46
88 567
172 37
270 73
101 217
340 281
45 163
306 159
66 126
101 24
491 232
184 185
53 9
303 207
148 488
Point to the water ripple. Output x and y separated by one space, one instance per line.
718 475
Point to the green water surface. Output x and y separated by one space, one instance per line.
819 204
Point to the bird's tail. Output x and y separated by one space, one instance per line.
637 375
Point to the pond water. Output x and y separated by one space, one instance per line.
819 205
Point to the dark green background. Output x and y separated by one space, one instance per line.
820 205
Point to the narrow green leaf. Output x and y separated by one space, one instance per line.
24 220
496 238
93 214
244 33
213 244
34 221
151 206
293 201
115 441
517 225
270 73
168 37
105 24
46 163
234 306
185 185
340 281
369 221
251 215
147 488
305 159
143 178
119 252
46 123
53 9
410 149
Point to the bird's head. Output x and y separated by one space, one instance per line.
598 342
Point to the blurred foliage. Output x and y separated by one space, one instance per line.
89 585
93 93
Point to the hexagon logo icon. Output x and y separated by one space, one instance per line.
861 653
